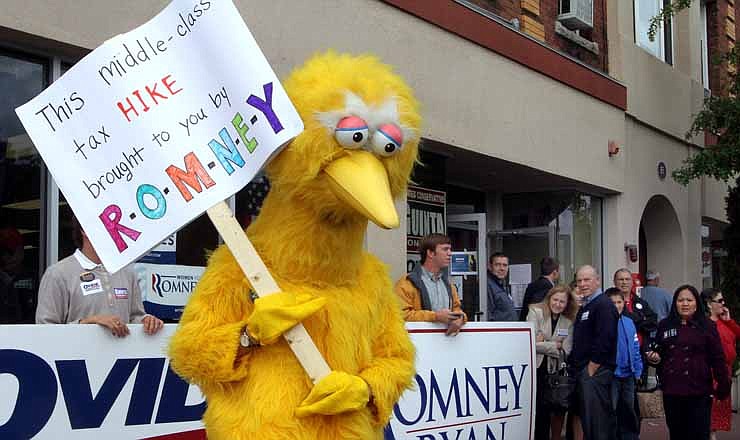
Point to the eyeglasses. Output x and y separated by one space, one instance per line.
719 301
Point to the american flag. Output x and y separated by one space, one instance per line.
249 199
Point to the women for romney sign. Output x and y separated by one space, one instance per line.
159 124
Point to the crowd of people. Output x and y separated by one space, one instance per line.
604 340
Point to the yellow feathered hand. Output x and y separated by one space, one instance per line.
275 314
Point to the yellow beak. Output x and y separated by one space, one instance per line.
360 180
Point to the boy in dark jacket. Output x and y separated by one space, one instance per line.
629 368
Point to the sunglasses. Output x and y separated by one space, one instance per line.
719 301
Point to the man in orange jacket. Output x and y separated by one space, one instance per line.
426 293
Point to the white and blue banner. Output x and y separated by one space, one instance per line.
164 253
477 385
166 288
80 382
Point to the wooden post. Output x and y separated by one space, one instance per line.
261 280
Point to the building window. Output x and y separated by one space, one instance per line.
662 45
704 45
21 174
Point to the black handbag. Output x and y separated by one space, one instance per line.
559 387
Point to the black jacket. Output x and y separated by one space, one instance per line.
535 293
595 334
645 319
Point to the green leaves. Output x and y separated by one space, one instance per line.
668 11
720 117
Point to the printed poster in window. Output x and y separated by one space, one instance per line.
426 213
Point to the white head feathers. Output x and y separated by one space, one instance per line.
375 116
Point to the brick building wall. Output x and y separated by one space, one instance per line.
597 35
538 18
721 34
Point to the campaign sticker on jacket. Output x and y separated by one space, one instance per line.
585 316
638 306
87 276
120 292
90 287
563 332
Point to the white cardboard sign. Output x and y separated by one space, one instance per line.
157 125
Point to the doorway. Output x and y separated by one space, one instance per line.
661 242
468 234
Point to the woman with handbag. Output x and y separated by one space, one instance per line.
553 325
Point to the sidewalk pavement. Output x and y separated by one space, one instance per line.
656 429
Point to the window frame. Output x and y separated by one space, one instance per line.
663 38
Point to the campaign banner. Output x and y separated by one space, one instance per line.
426 213
164 253
80 382
478 385
166 288
159 124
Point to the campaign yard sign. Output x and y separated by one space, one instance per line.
159 124
478 385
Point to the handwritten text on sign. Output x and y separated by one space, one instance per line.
159 124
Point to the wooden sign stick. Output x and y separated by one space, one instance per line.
264 284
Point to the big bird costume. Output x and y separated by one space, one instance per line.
354 157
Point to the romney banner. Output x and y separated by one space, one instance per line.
80 382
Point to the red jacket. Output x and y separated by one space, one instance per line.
729 331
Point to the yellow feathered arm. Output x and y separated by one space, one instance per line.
391 370
204 348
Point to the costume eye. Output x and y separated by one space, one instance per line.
351 132
387 140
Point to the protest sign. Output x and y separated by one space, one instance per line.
159 124
80 382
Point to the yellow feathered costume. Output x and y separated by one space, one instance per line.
325 186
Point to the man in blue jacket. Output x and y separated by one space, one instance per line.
593 358
629 368
500 302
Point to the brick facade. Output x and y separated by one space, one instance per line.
543 24
598 34
721 34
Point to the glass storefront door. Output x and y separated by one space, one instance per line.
21 173
567 226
